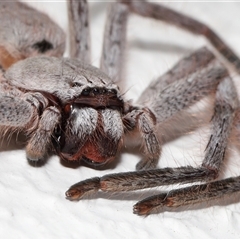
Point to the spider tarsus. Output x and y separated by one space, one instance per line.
156 203
80 189
141 209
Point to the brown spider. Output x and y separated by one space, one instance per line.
77 111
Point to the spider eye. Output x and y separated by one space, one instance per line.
96 91
86 91
42 46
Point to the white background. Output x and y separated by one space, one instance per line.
32 201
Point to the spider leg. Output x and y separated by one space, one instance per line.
164 104
188 65
225 108
212 77
16 113
79 30
186 120
203 74
20 112
41 139
159 12
187 196
144 121
197 82
114 41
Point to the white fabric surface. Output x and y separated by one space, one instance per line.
32 202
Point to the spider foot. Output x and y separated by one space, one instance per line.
80 189
150 204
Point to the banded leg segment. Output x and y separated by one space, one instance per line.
183 69
17 113
79 30
226 106
114 41
145 122
40 141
